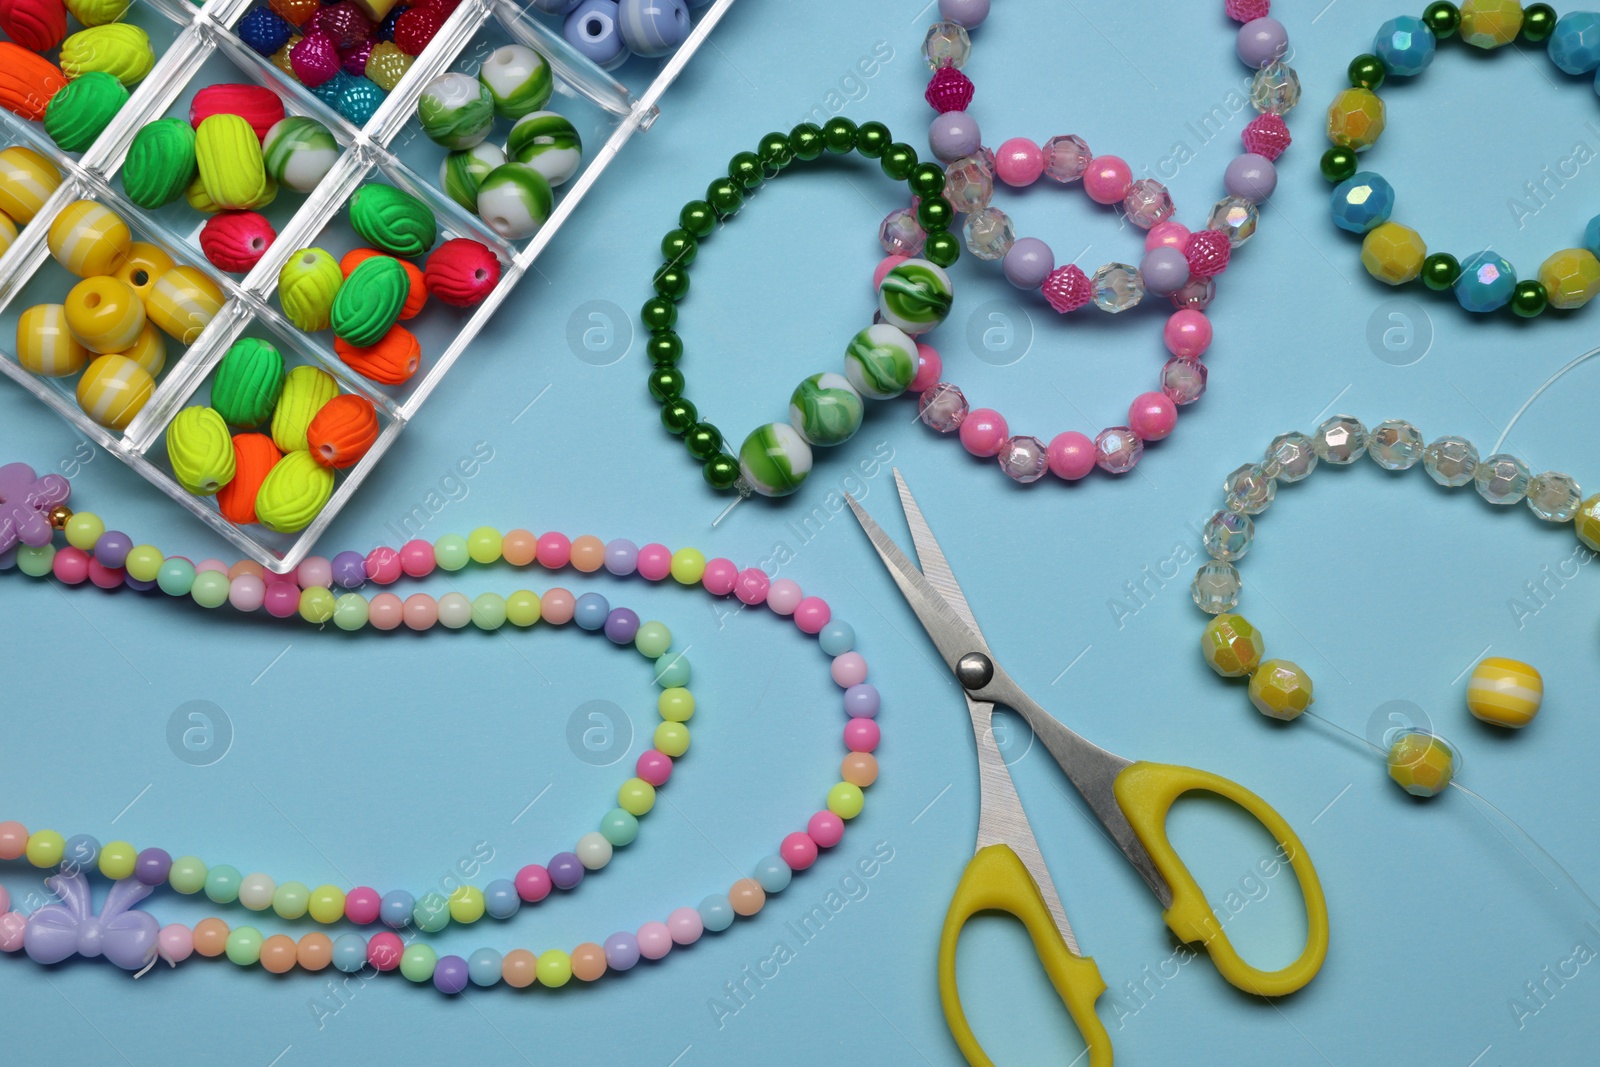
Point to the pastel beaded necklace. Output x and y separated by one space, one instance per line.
1176 263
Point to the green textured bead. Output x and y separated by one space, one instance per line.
942 249
1529 298
898 161
451 553
698 218
308 283
665 348
369 301
431 913
244 946
1440 271
658 313
188 875
806 140
652 639
1338 163
200 450
679 247
227 153
872 138
210 589
720 472
417 962
160 163
677 415
775 151
391 220
120 49
97 12
291 899
672 670
839 135
672 283
82 109
222 884
1366 71
927 179
619 828
1538 22
703 441
247 383
725 197
488 611
1442 17
746 169
935 214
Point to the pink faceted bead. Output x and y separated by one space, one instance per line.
885 265
105 577
685 926
751 586
1247 10
533 883
1071 455
314 59
314 572
655 940
384 950
826 829
812 614
1207 252
862 735
984 432
13 927
1187 333
1108 179
416 559
849 669
247 592
1152 416
385 612
654 767
1167 234
176 943
383 565
212 564
784 596
798 851
1067 288
655 562
1267 135
930 368
70 566
557 606
362 905
553 551
719 576
281 600
421 611
1019 162
949 90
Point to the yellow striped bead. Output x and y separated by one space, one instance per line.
89 238
113 390
149 350
1505 692
183 302
141 267
44 344
104 314
8 232
1588 523
26 181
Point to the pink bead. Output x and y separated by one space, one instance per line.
246 592
385 612
655 940
1071 455
13 840
784 596
1108 179
849 669
273 577
654 767
315 573
1208 252
557 607
383 566
383 951
685 926
949 90
798 851
103 576
885 265
5 900
362 905
862 735
1247 10
416 558
826 829
751 586
281 600
1019 162
177 942
219 566
1267 135
930 368
70 566
1152 416
421 611
655 562
13 927
1067 288
984 432
533 883
314 59
812 615
719 576
554 551
1187 333
1167 234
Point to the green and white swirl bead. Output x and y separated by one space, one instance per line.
826 409
456 110
299 152
518 79
462 173
514 200
881 361
915 296
774 459
548 143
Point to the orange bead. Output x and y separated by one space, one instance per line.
314 952
859 768
519 968
294 12
254 455
278 954
519 548
392 361
416 295
588 553
343 431
13 840
588 961
210 937
27 81
747 897
246 566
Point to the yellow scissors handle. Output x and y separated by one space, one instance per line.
996 880
1145 792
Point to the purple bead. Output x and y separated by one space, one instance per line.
450 974
968 13
622 557
112 549
355 60
565 870
1164 270
1262 41
1250 176
152 865
349 570
861 701
1029 263
621 625
137 585
622 951
954 134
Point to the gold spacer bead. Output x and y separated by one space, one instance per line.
59 516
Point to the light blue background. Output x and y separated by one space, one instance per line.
385 760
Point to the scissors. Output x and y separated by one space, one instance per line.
1130 799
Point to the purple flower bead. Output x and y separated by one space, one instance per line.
25 503
565 870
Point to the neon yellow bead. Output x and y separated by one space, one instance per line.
317 605
676 704
484 545
144 563
846 800
466 904
554 968
1571 277
84 529
1490 23
1588 523
1421 764
1355 119
327 904
45 848
636 796
522 608
1393 253
1231 645
1505 692
671 738
117 860
1280 689
688 565
290 900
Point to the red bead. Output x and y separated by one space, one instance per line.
103 576
257 105
1267 135
235 241
1067 288
1207 252
414 29
461 272
1248 10
949 90
37 25
344 22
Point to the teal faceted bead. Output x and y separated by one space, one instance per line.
1487 282
1362 202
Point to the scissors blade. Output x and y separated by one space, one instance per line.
935 567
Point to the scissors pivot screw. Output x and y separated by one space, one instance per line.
974 670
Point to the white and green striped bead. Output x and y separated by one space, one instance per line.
775 459
518 79
881 361
299 152
514 200
915 296
826 409
461 174
548 143
456 110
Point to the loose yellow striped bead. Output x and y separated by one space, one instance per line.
26 181
183 302
89 238
1505 692
1588 523
149 350
44 344
113 390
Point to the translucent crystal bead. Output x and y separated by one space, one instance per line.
1275 88
1228 534
1340 440
901 234
1395 445
1236 217
1249 489
1502 479
968 185
1148 203
1024 459
1554 497
1066 158
1215 588
1197 294
1117 449
1117 287
1183 380
946 45
944 407
1291 456
1450 461
990 234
